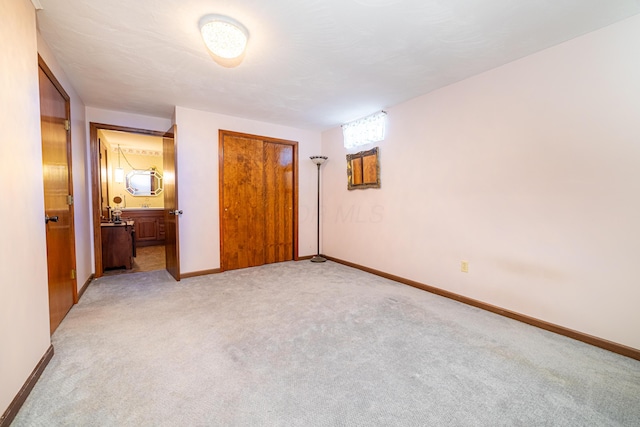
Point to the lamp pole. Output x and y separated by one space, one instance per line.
318 160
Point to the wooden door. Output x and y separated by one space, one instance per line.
171 209
104 180
257 200
58 196
278 202
243 216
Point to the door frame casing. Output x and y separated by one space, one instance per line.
294 144
95 182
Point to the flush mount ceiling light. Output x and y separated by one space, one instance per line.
225 38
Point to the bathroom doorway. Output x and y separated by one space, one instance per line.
128 198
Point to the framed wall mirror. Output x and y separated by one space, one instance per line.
144 183
363 170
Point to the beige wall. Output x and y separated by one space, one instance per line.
530 172
198 183
24 305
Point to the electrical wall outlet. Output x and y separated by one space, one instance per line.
464 266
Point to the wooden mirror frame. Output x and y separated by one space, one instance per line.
363 170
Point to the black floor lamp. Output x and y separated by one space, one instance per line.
318 160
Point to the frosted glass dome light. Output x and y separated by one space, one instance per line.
223 36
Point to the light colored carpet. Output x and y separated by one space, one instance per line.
304 344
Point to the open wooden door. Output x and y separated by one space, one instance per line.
171 211
104 180
58 196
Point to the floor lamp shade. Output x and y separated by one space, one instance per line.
318 160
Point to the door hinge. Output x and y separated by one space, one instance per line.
70 200
73 273
67 125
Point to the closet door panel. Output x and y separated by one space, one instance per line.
278 192
243 203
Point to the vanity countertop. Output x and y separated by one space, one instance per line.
141 209
116 224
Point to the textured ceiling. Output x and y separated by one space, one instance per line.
310 63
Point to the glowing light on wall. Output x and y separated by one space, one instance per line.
365 130
119 172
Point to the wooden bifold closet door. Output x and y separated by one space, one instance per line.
258 200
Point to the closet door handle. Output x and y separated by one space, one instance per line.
176 212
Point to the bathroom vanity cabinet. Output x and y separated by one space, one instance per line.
149 225
118 244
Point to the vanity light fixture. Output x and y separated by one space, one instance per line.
225 38
119 172
365 130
